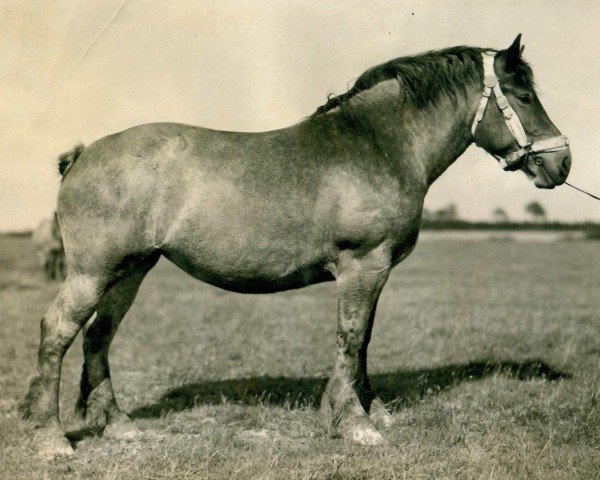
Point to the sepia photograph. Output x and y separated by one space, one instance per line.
292 239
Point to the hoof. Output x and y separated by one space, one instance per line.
379 415
361 431
95 408
50 443
365 435
123 430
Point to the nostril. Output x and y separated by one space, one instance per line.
567 162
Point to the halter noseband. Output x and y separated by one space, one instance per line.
513 160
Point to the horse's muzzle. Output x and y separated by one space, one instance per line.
550 169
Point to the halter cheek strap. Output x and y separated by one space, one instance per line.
526 148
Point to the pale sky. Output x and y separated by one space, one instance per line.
75 70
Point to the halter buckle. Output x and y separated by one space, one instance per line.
490 81
502 102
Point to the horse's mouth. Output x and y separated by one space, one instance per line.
542 183
541 176
543 179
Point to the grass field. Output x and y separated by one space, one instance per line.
487 352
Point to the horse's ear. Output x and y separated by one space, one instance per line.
513 54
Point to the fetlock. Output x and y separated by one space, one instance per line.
340 401
36 407
344 414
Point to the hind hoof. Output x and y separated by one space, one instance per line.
50 443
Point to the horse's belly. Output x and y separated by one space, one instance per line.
244 240
246 273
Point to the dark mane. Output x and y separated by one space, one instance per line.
423 78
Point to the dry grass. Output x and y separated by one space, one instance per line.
488 353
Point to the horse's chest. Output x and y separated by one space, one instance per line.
404 243
403 232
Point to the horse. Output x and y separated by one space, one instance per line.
335 197
47 240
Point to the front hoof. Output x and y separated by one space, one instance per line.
50 443
122 430
379 415
361 432
367 436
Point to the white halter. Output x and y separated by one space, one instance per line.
526 148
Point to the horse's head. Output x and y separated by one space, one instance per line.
513 125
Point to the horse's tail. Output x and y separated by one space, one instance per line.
67 159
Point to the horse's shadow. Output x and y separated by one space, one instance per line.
398 389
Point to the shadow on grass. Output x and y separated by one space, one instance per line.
399 389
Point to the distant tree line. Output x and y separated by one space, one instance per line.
448 218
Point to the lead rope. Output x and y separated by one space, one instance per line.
582 191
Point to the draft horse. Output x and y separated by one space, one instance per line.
336 197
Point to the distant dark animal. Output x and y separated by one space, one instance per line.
48 242
336 197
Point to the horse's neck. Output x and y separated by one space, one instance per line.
444 133
426 140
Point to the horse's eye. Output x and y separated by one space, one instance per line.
524 99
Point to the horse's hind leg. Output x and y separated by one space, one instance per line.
72 307
97 402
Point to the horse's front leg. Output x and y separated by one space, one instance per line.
359 281
378 413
